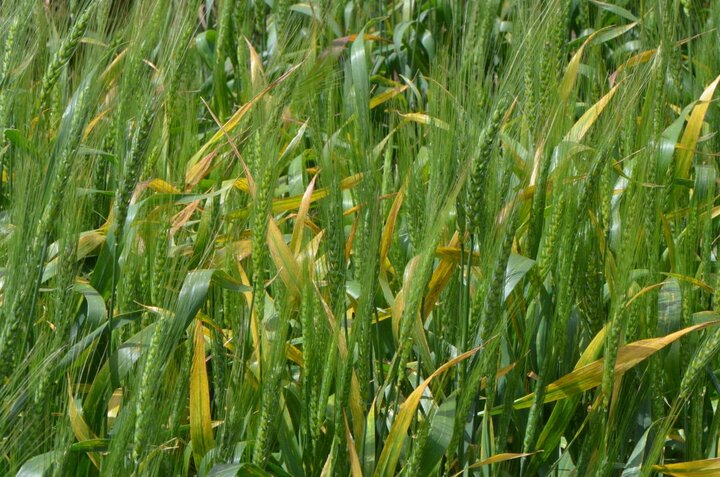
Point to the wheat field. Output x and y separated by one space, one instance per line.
359 238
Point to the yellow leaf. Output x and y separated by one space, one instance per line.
242 184
399 305
290 203
79 426
93 123
568 81
197 171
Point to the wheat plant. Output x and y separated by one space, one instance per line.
382 237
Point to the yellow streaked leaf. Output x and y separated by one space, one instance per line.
294 354
691 280
200 419
80 428
237 116
440 278
287 266
299 225
496 459
581 127
642 57
257 73
93 123
163 187
423 118
688 143
693 468
242 184
590 376
389 229
197 171
290 203
568 81
355 468
385 96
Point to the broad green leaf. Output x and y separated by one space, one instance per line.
564 410
387 463
441 429
205 44
95 312
617 10
360 81
669 138
39 465
517 268
17 139
233 470
635 462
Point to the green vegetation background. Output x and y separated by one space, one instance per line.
337 237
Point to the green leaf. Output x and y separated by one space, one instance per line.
517 268
205 44
361 84
617 10
17 139
39 465
441 429
233 470
398 432
91 445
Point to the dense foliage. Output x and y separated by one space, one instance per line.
346 237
